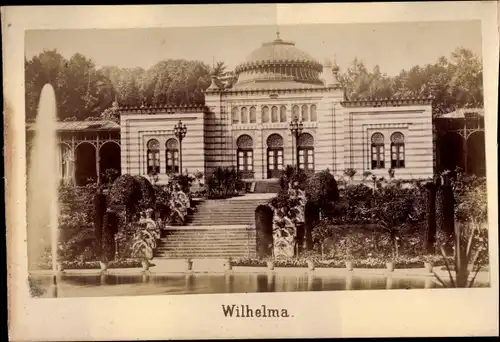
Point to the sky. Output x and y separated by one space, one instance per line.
392 46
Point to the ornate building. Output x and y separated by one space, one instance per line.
247 125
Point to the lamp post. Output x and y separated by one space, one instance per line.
180 131
296 127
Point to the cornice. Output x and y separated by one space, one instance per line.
162 108
386 102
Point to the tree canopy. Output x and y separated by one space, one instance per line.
83 90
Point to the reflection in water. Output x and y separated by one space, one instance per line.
103 278
106 284
388 284
348 281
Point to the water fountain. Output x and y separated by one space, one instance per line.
42 195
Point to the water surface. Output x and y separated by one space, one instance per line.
138 285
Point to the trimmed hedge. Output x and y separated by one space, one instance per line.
264 226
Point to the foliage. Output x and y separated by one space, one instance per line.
469 246
134 192
223 183
94 264
111 114
454 82
322 190
350 172
146 236
320 262
264 230
110 175
288 207
109 229
292 177
99 211
182 182
172 204
83 90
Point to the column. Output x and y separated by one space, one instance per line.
464 148
97 149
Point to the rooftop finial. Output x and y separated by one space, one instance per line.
277 33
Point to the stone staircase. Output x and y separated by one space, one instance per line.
214 229
207 242
224 212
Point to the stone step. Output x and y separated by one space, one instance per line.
184 255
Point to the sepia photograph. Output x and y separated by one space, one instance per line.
282 159
224 167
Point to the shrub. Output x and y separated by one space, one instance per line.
145 238
134 192
321 189
264 230
430 231
110 175
311 218
99 211
147 193
110 228
223 183
290 175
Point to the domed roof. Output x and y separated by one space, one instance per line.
279 51
280 63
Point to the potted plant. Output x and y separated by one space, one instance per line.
189 264
348 254
270 264
142 250
428 263
390 263
228 264
103 264
310 264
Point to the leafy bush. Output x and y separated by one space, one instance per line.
110 175
134 192
110 228
145 238
99 211
223 183
321 189
292 177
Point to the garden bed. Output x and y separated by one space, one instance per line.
375 263
89 265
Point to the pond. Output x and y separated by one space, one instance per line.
102 285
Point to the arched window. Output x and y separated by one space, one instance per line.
245 156
305 114
397 150
244 115
153 154
314 116
172 156
378 151
274 114
253 115
283 114
265 114
274 155
234 115
305 147
295 112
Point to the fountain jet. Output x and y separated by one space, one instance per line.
42 186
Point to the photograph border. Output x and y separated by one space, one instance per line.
350 313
